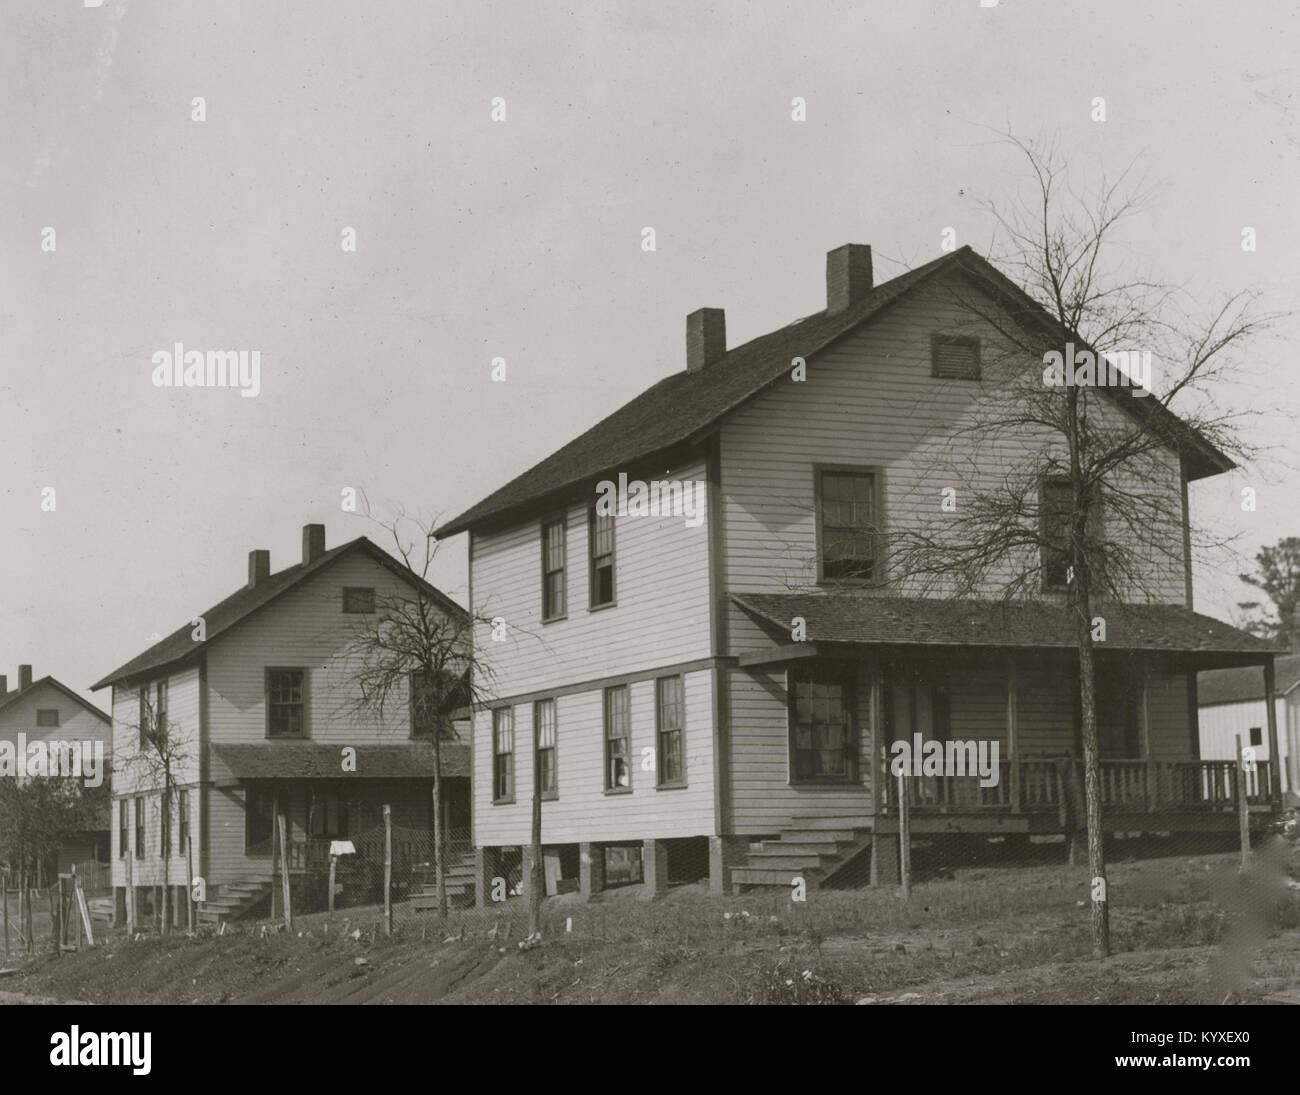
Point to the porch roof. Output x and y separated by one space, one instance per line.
929 621
316 760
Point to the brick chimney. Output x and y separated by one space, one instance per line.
4 684
1295 630
848 276
706 338
259 566
24 677
313 543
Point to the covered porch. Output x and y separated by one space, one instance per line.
976 706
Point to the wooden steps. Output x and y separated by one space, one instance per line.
459 881
233 900
815 848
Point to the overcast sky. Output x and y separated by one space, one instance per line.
522 239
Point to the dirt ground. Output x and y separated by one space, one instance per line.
1183 931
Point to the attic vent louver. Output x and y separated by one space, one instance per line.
954 357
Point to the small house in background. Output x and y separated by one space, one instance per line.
49 711
258 706
1232 704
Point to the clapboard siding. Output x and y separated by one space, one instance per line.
869 400
1172 729
1220 723
583 812
137 775
306 628
661 585
1045 712
763 798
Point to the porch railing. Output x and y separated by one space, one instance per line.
1039 784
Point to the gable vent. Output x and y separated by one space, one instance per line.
954 358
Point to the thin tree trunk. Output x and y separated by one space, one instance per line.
1081 587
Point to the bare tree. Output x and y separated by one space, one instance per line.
1092 504
418 647
161 758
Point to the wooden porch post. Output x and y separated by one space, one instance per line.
875 731
1274 757
275 815
1144 734
1013 735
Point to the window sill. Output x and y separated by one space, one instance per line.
554 619
287 737
830 783
618 790
602 607
675 785
504 801
852 583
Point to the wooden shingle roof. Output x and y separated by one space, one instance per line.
926 621
1243 683
221 617
315 760
685 407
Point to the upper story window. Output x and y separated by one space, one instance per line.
123 828
1055 503
554 584
47 716
286 703
183 820
503 754
600 535
358 600
954 357
849 526
153 713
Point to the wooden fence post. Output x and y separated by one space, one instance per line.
334 860
130 896
284 873
189 882
1243 807
388 870
275 823
904 836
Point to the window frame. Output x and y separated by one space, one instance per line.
508 796
878 578
164 826
139 827
592 604
183 820
1044 482
626 737
305 732
370 590
937 339
545 525
144 717
123 828
1253 733
844 676
663 782
47 711
553 792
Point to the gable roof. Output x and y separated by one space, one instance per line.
10 697
685 407
220 618
933 621
1245 683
